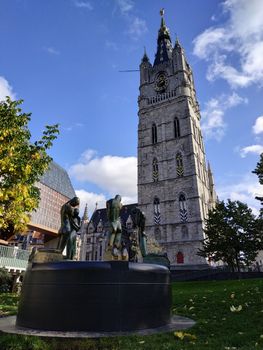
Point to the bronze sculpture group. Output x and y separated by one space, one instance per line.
118 247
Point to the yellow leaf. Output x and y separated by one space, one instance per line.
179 335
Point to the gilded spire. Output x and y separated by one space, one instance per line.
164 45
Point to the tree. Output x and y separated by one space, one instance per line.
259 172
22 163
233 235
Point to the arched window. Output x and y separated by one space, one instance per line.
155 170
154 133
182 206
177 132
185 234
156 211
179 165
157 234
180 258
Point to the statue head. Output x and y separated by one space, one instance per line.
76 212
74 202
118 197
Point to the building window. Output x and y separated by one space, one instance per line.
154 133
155 170
179 165
183 209
184 232
177 132
156 209
180 258
157 234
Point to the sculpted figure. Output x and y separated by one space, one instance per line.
113 207
69 222
71 244
138 218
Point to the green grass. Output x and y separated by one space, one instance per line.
8 304
208 303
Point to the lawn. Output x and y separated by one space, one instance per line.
229 316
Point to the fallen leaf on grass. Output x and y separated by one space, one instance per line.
235 309
182 335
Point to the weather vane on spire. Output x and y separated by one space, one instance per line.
162 12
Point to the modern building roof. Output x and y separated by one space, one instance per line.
58 180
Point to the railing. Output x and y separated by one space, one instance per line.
161 97
13 258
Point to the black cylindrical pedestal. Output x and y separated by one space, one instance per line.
95 296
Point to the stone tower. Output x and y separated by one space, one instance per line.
175 186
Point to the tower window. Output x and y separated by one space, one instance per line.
157 234
154 133
180 258
156 211
184 232
177 132
183 209
155 170
179 165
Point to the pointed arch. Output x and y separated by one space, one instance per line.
154 133
184 230
179 164
180 258
155 170
156 211
177 131
183 207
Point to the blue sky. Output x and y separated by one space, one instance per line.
63 58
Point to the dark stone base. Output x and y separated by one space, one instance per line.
8 325
110 296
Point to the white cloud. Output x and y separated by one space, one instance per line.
91 199
84 4
115 175
125 6
51 50
255 149
241 35
137 27
6 89
244 190
258 126
213 124
72 126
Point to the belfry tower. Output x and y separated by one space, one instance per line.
175 186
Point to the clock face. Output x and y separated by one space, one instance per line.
161 82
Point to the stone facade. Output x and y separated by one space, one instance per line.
175 185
